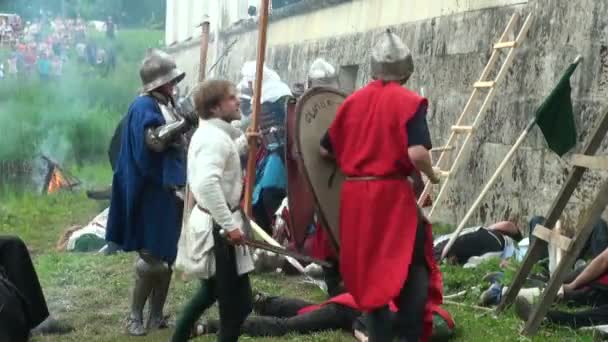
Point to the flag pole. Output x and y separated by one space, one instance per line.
204 49
487 187
493 180
257 94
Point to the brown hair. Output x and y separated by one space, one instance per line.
209 94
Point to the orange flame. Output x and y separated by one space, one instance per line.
56 182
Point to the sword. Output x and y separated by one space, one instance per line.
281 251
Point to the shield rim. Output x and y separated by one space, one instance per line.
298 159
306 96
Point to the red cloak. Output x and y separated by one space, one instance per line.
378 217
321 244
434 300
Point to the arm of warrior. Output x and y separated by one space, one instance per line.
242 145
158 139
326 149
505 227
419 142
594 270
421 158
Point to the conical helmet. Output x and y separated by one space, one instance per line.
391 59
321 73
158 69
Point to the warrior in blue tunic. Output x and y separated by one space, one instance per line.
146 210
271 175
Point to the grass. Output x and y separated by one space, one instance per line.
98 174
93 291
39 220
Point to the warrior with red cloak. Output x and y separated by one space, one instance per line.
378 138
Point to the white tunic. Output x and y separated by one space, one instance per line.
215 177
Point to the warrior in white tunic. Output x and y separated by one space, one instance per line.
211 245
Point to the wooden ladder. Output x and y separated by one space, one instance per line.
481 86
570 247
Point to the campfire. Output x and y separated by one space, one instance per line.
57 179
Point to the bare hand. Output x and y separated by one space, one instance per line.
235 237
325 154
568 287
434 178
253 136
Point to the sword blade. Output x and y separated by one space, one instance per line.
282 251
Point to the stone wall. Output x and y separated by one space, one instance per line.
450 52
187 58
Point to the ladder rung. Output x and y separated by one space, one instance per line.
552 237
503 45
462 129
442 148
441 173
488 84
590 162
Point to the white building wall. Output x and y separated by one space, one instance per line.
184 15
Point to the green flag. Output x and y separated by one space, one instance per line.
555 116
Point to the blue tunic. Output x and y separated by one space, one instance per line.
270 171
144 213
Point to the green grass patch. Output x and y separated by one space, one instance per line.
40 219
94 175
92 291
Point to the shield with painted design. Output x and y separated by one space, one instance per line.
315 111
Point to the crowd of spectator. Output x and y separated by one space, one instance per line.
42 47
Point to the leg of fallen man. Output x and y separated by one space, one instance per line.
585 318
380 325
280 306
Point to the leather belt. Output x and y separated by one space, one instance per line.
206 211
373 178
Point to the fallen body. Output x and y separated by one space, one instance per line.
279 316
586 287
499 239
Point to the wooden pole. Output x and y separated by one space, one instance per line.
204 49
487 187
257 94
189 202
449 302
583 231
557 207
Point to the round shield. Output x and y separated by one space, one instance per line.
315 112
